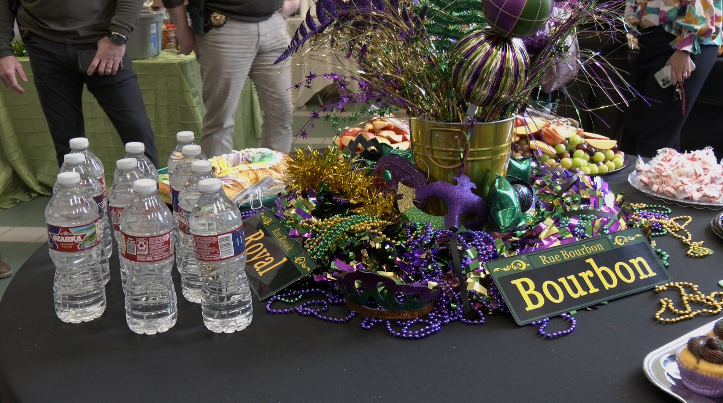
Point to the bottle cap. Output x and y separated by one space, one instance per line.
145 186
126 163
135 147
209 185
68 178
191 150
79 143
201 166
185 137
74 158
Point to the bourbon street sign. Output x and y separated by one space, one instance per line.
577 275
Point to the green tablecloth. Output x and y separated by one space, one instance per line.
171 87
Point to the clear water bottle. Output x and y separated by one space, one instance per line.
184 139
136 150
182 172
75 162
120 197
74 242
218 241
147 251
186 262
80 145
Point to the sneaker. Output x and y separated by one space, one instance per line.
5 270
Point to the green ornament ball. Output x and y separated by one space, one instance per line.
517 18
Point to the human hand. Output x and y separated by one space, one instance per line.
9 65
186 41
679 66
289 8
108 58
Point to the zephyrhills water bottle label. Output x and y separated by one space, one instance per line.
183 221
215 248
73 239
100 200
115 215
174 198
146 249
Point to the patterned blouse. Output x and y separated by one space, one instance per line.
694 22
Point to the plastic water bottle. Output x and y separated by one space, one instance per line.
147 251
184 139
182 172
186 262
120 197
75 162
74 242
218 241
136 150
80 145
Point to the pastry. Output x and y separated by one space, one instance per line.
701 365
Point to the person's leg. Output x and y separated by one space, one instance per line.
60 90
663 119
272 83
121 99
225 55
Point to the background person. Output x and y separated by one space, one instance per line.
239 39
673 32
54 31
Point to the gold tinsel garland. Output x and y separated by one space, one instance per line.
310 169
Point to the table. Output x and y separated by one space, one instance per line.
294 358
171 86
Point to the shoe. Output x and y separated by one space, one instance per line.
5 270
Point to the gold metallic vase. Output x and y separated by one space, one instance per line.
438 148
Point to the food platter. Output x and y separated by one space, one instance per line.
662 370
634 180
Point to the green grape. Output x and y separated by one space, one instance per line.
609 154
560 148
610 165
602 169
544 157
618 162
575 140
599 157
569 147
578 154
593 169
586 170
586 157
566 163
577 162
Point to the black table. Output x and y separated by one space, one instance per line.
297 359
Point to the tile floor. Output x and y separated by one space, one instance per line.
22 228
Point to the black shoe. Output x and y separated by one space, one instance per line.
5 270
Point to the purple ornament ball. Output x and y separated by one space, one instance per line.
517 17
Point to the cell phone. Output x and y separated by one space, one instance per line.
663 75
85 58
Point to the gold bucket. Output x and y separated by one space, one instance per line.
438 146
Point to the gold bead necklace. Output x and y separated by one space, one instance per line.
687 312
677 230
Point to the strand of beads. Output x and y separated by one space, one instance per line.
544 322
687 312
660 215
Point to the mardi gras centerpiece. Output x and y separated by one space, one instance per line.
461 71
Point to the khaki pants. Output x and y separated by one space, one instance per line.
230 54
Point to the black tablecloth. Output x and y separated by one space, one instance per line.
298 359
